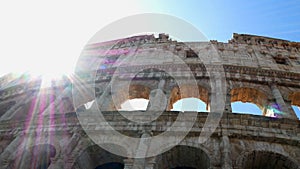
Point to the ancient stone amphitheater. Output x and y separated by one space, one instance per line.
58 126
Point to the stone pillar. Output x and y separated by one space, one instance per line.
228 101
128 163
142 150
105 101
226 153
290 108
157 99
132 163
218 93
287 113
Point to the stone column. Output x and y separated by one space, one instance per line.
157 99
132 163
290 108
128 163
105 101
226 152
142 150
287 113
228 101
218 93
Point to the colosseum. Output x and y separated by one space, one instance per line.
79 121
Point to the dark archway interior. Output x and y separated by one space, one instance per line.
183 157
184 168
267 160
94 157
112 165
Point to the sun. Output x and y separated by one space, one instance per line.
49 76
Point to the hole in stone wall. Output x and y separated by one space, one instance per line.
248 101
134 104
189 104
186 91
183 157
267 160
296 110
184 168
295 102
191 54
94 157
112 165
279 59
245 108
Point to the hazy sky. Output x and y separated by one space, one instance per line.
47 37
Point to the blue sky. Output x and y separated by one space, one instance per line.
219 19
47 37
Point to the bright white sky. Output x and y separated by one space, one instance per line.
47 37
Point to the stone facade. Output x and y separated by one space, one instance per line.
41 128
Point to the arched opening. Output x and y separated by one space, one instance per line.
249 101
183 157
267 160
94 157
112 165
136 98
245 108
295 102
189 104
184 168
134 104
184 98
296 110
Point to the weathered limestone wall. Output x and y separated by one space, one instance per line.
40 128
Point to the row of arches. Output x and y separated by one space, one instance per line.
242 100
182 157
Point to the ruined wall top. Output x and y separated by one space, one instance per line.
262 40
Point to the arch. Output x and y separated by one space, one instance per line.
250 95
295 102
183 157
135 91
134 104
265 89
247 94
296 110
247 108
295 98
190 104
94 157
185 92
265 160
112 165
